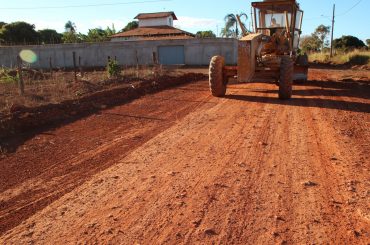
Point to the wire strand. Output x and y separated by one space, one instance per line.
87 5
346 12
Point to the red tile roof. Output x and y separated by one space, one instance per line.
155 15
154 31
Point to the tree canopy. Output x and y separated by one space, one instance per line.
317 40
368 42
19 33
348 42
205 34
310 43
131 25
2 24
50 36
231 28
70 27
322 33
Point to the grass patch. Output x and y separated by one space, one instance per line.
5 77
354 58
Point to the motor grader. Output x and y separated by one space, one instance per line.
270 54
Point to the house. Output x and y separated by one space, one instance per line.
153 26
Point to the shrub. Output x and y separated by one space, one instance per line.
113 69
5 77
359 59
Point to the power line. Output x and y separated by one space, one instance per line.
87 5
346 12
328 17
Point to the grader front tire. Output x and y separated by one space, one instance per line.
286 78
216 76
302 61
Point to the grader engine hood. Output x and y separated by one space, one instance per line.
247 51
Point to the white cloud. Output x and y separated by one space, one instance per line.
82 26
118 23
41 24
187 22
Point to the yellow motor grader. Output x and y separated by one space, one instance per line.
268 54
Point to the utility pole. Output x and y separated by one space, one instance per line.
332 32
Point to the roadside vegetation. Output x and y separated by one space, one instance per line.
355 57
45 87
346 49
23 33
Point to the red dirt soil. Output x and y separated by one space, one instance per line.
180 166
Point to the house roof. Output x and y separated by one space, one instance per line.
155 15
154 31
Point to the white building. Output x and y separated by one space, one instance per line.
156 19
153 26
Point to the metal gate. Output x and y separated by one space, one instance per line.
171 55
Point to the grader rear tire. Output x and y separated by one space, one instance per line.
216 76
286 78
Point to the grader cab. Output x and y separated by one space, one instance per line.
268 54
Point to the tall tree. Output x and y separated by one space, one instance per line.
70 27
19 33
322 33
226 33
50 36
2 24
232 25
70 35
131 25
368 42
310 43
110 31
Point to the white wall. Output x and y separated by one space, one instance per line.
166 21
197 52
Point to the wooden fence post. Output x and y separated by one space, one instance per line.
137 64
74 66
155 64
80 66
51 67
20 77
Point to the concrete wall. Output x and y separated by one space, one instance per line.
197 52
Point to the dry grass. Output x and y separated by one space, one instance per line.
356 57
61 85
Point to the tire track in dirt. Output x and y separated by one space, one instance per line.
76 165
245 169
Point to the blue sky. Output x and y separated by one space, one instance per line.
194 15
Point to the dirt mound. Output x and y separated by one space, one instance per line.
361 67
21 119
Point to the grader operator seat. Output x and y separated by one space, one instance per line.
275 17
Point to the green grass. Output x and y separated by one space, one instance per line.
5 77
354 58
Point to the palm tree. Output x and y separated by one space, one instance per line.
70 27
231 25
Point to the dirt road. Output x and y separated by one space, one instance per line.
181 166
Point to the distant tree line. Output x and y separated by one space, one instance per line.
318 41
20 33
